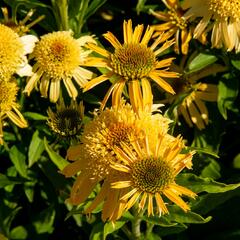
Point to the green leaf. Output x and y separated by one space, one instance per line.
236 63
97 232
208 202
161 221
176 214
227 93
236 161
212 170
199 184
43 223
201 61
6 181
59 161
19 160
18 233
36 148
109 228
35 116
204 150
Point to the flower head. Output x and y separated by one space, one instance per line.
67 121
108 129
12 51
20 27
176 25
58 58
132 63
191 93
151 173
8 106
220 16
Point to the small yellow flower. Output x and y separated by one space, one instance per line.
13 50
67 120
220 16
151 173
133 63
92 158
58 58
20 27
176 25
9 107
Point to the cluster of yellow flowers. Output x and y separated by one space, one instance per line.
125 148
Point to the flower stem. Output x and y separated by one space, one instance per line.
136 223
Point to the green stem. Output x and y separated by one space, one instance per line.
136 223
61 13
149 230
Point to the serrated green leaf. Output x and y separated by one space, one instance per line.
36 148
59 161
199 184
201 61
19 160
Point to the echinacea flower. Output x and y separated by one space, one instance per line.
191 93
93 156
9 107
66 122
58 57
20 27
151 173
13 50
175 24
220 16
133 64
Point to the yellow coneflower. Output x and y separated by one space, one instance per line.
194 93
13 50
67 120
193 107
151 173
220 16
108 129
9 107
133 63
58 57
176 25
20 27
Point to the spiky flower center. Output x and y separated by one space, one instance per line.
225 8
66 122
8 92
177 19
117 133
11 52
58 54
152 175
133 61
